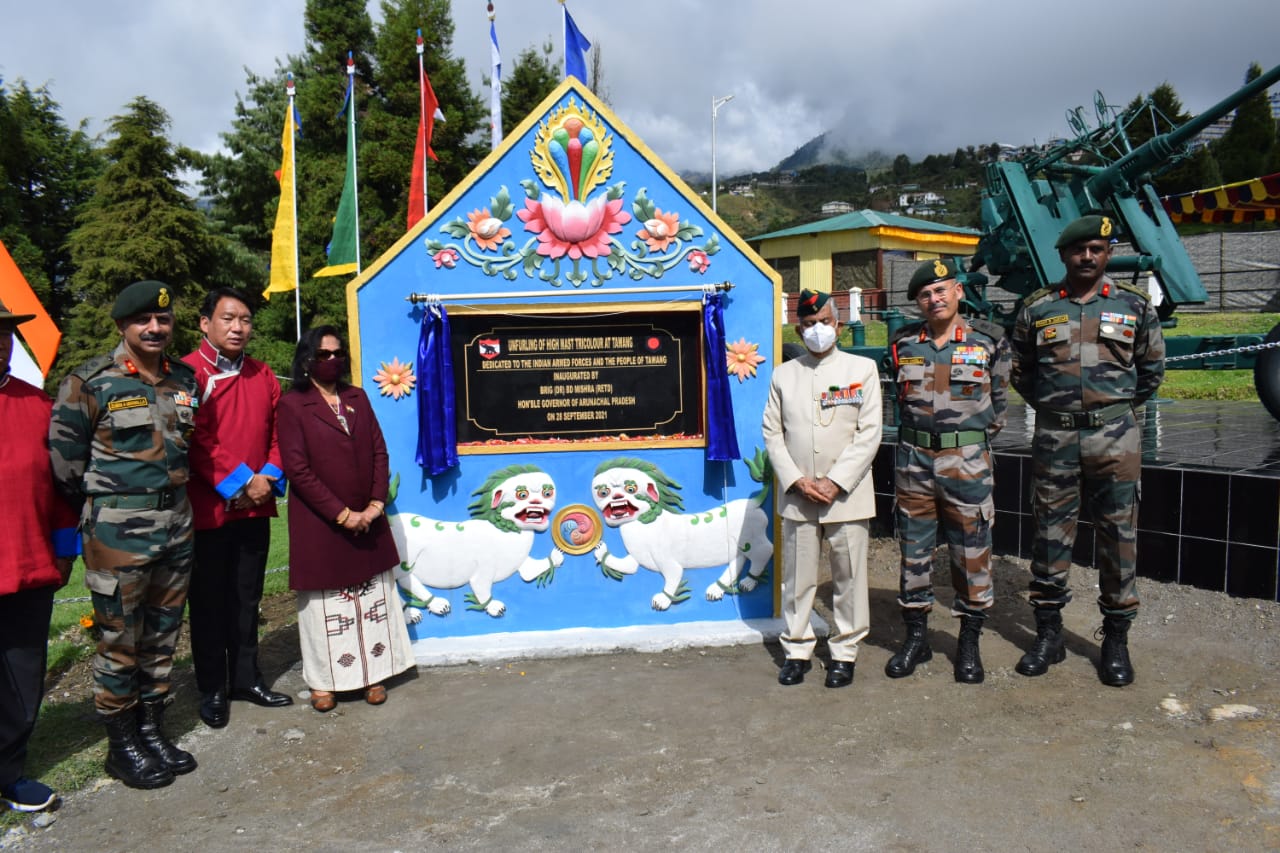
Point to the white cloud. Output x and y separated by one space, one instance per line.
921 77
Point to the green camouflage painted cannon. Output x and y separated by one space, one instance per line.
1027 203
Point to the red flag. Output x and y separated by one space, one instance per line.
422 149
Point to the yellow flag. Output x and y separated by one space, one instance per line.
284 237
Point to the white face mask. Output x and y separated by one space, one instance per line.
819 337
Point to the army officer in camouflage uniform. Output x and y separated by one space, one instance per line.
953 379
1086 351
119 437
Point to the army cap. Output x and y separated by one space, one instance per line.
938 269
143 297
1087 228
8 319
811 302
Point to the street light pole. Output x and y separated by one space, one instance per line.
716 104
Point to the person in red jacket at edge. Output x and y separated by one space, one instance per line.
38 544
235 480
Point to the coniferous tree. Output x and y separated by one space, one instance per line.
1196 170
139 224
533 76
46 172
245 192
394 125
1246 149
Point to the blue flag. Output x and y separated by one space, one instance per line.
575 48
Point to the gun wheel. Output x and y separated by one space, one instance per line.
1266 375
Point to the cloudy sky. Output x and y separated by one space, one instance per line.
919 76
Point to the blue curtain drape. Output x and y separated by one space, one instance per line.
437 426
722 435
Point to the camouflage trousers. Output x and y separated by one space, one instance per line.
137 566
1104 465
952 489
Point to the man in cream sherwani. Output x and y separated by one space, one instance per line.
822 431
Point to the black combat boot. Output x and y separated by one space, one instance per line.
1114 668
1050 648
127 759
968 667
151 733
915 648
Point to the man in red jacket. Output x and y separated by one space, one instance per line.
236 477
37 546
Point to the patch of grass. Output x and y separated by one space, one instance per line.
69 745
1235 323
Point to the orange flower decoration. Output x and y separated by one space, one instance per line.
659 231
742 358
486 230
395 379
86 621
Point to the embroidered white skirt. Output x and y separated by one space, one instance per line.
353 637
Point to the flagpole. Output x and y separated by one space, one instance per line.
495 84
293 201
422 112
351 134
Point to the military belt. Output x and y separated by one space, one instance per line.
1083 420
167 499
941 440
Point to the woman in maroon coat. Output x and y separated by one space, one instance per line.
341 553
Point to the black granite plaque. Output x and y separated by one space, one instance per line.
571 377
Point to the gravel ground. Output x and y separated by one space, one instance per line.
696 749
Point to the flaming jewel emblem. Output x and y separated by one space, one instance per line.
575 220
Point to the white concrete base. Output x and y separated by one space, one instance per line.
570 642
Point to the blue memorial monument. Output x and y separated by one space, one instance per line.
569 356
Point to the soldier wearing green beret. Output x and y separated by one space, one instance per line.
952 376
118 438
1086 352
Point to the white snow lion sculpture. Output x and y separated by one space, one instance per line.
510 506
636 497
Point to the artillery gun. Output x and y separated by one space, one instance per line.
1028 202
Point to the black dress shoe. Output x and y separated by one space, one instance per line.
840 673
793 671
260 694
214 709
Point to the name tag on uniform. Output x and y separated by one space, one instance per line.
1052 321
968 354
850 396
911 359
127 403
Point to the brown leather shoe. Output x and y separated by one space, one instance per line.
322 700
375 694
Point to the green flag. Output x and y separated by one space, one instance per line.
344 247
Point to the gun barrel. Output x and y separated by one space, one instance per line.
1161 147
